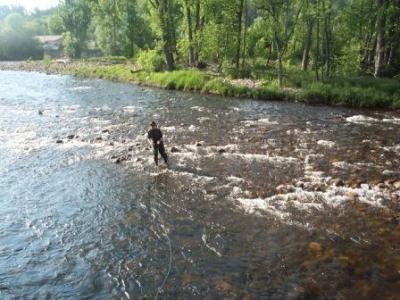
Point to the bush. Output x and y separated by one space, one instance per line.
150 60
47 59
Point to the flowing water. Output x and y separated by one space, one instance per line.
263 200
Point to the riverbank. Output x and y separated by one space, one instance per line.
351 92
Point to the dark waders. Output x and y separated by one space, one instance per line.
159 148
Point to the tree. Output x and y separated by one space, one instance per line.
76 16
55 24
164 10
283 16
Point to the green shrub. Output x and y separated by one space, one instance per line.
150 60
218 86
47 59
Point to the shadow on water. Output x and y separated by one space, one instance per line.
263 200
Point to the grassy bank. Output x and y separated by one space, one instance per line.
352 92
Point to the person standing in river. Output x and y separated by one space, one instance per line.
155 136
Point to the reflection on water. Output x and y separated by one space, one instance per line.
263 200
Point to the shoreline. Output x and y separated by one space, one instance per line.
384 95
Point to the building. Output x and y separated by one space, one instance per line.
52 45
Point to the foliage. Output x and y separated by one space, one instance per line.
150 60
76 16
16 37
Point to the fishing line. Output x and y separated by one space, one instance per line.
159 289
165 233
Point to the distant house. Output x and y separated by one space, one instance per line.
52 45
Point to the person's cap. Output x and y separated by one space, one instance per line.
153 123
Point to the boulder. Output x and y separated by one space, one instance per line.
59 141
221 151
175 150
120 160
338 182
396 184
106 131
71 136
314 247
351 196
381 185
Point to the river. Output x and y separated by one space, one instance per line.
263 200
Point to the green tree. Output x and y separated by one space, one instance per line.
76 16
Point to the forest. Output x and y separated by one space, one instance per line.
289 42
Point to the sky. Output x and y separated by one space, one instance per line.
31 4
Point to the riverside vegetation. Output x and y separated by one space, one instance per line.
353 92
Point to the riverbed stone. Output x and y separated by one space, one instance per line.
71 136
130 148
175 150
315 247
223 285
351 196
338 182
396 184
59 141
120 160
40 112
221 151
250 194
381 185
105 131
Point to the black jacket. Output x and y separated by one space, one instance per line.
155 134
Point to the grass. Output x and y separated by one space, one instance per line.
353 92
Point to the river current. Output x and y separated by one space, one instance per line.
262 200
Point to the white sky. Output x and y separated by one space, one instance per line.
31 4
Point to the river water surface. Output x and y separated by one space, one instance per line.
263 200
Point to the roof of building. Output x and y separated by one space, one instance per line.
49 38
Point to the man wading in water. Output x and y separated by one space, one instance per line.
155 135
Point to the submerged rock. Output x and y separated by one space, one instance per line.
40 112
175 149
396 184
221 151
71 136
106 131
223 285
120 160
338 182
314 247
130 148
59 141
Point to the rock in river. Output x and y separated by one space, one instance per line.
175 149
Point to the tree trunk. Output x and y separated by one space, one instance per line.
380 37
279 68
190 34
197 30
239 36
163 10
246 13
327 39
307 44
317 45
